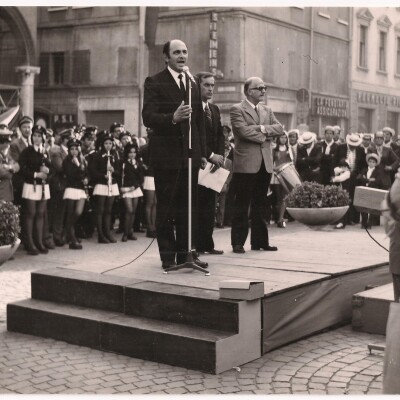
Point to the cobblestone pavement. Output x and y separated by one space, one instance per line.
333 362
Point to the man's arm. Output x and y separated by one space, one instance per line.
274 128
242 129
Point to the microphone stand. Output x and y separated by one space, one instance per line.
189 257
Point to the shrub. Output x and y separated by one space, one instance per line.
9 223
315 195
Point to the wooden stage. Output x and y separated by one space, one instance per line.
308 283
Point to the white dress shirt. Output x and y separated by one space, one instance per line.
175 76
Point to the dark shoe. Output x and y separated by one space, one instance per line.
32 251
49 245
42 250
167 264
238 249
215 252
131 236
102 239
59 242
111 239
75 246
265 248
124 238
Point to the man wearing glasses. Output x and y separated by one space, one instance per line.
254 126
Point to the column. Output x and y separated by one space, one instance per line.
27 73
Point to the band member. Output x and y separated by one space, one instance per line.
35 167
166 111
329 147
215 141
309 158
131 179
76 190
8 167
254 125
104 169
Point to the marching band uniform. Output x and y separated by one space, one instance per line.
7 166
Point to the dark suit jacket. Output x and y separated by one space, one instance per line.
388 158
326 162
215 139
30 162
377 176
309 166
170 143
16 148
341 153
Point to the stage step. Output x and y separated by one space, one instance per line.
371 309
171 324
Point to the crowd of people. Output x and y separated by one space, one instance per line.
70 183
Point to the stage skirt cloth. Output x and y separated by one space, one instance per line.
74 194
102 190
29 192
149 183
133 194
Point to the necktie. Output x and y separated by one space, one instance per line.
182 86
207 112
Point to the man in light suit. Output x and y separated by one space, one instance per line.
254 125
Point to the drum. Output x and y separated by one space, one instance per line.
288 177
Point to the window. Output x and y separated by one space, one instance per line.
364 120
382 51
81 67
58 68
398 56
392 121
362 59
52 69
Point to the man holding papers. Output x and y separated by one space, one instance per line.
215 141
254 125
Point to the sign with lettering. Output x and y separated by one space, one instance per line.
64 119
330 107
213 46
377 98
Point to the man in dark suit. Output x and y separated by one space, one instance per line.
215 146
166 111
309 157
254 125
354 155
329 147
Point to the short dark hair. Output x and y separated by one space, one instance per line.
166 47
204 75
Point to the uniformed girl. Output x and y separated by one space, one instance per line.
131 180
35 168
103 171
75 194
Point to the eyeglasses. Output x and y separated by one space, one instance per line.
260 88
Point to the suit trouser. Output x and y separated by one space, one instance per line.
172 210
250 190
206 218
56 213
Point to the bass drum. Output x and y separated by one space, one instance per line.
288 177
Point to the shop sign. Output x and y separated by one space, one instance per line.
376 98
213 45
63 119
330 107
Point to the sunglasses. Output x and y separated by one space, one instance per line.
260 88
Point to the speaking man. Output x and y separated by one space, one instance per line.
254 125
215 147
166 110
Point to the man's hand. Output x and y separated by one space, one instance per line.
217 160
203 162
182 113
45 170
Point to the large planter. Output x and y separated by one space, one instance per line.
317 216
6 252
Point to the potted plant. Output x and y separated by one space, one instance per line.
9 230
314 204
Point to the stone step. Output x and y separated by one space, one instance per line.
173 303
208 350
371 309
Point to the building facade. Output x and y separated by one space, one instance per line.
375 69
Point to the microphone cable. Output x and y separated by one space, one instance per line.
383 247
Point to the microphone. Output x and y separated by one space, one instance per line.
186 69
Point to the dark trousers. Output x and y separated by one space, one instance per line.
172 210
206 201
56 213
250 190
